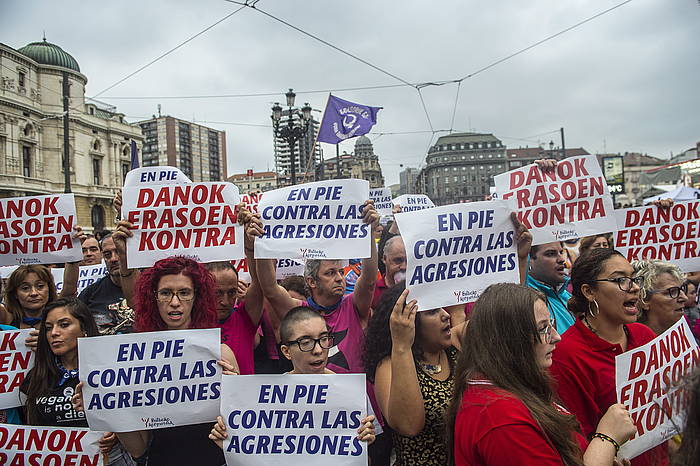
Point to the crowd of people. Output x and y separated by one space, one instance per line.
525 375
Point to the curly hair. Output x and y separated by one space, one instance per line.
650 271
17 277
377 344
586 269
204 314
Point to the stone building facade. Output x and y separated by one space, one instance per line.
362 164
31 133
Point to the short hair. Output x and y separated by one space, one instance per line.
534 249
294 316
220 266
312 267
102 240
650 271
295 283
390 242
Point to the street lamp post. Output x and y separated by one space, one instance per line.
292 131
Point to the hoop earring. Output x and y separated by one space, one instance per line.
590 308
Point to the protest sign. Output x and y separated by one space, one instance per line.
382 201
304 419
411 202
16 359
285 268
150 380
26 445
648 382
38 230
155 175
571 201
196 220
87 275
321 220
252 200
669 234
241 266
463 247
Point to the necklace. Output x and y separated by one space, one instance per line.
431 369
585 321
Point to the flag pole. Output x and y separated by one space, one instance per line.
313 147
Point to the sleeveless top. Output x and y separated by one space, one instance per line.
429 447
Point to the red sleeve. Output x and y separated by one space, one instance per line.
576 393
516 444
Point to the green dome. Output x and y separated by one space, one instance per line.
46 53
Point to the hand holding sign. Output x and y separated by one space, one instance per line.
402 322
617 423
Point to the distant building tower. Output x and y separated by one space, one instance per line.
407 181
303 158
362 164
199 151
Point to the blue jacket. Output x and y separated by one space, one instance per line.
556 302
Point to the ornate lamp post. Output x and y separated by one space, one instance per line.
292 131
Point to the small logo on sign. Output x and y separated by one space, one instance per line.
307 253
156 422
465 296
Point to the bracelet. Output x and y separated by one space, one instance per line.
124 275
606 438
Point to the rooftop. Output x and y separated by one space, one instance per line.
46 53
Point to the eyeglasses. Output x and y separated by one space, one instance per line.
165 295
307 344
624 283
546 333
673 292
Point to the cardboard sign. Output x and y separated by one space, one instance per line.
412 202
669 234
150 380
38 229
572 201
321 220
648 382
196 220
26 445
88 275
454 252
309 420
16 359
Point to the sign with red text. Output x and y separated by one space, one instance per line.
455 251
285 268
307 419
38 230
251 201
150 380
197 220
411 202
648 381
571 201
26 445
16 359
669 234
321 220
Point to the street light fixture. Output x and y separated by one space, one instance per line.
292 131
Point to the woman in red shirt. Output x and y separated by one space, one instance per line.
604 300
503 409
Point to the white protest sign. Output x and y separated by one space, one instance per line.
454 252
288 268
27 445
647 382
669 234
197 220
16 359
7 270
382 201
572 201
321 220
251 201
150 380
87 275
241 266
309 420
155 175
37 230
411 202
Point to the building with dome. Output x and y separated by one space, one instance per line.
363 163
31 133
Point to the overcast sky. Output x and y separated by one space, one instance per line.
626 81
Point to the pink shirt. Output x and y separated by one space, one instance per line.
238 332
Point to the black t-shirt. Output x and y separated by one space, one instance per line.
107 305
55 409
184 446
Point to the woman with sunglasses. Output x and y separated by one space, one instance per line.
306 341
662 295
503 408
604 300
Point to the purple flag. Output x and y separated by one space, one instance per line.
344 120
134 155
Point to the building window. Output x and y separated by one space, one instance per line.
27 161
471 157
447 180
20 79
97 215
456 179
96 171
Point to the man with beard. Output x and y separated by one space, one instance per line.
547 274
105 298
394 260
